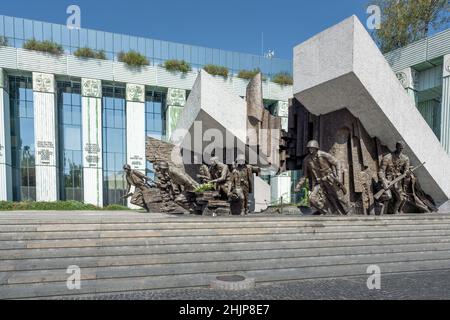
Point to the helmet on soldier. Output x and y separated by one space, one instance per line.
240 159
163 165
313 144
126 167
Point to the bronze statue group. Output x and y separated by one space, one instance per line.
396 190
231 184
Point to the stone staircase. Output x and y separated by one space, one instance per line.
120 251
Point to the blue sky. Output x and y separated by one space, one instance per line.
227 24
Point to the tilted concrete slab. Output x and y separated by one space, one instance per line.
343 68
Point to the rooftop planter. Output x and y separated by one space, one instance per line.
44 46
177 66
249 74
133 59
3 41
89 53
283 78
216 70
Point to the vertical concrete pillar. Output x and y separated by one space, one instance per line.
91 113
45 114
135 111
176 100
282 111
280 187
5 141
409 79
445 105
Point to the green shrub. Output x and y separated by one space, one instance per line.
3 41
283 78
44 46
205 187
216 70
89 53
248 74
177 66
133 59
115 207
54 206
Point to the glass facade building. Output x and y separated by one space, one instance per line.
22 138
70 145
18 30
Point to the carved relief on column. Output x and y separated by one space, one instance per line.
176 97
446 66
91 88
408 78
135 92
43 82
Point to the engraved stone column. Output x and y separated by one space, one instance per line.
409 79
136 128
282 111
91 110
45 136
5 141
445 106
176 100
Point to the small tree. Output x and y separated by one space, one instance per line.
133 58
216 70
44 46
283 78
406 21
89 53
177 66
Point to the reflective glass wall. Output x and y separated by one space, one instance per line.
114 144
70 145
22 138
18 30
154 120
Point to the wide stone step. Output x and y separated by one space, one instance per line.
101 242
222 255
307 229
214 247
190 225
109 285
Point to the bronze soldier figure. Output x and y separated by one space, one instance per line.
324 174
394 165
242 183
140 182
220 175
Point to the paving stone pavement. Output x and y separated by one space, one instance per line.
406 286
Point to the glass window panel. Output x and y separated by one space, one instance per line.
141 46
47 29
201 56
180 56
37 30
74 38
65 36
172 53
92 39
56 33
216 57
157 49
187 52
28 29
134 44
164 50
18 28
109 42
100 40
9 27
125 43
194 54
117 43
149 48
2 28
208 56
72 137
83 38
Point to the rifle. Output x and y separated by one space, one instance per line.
393 182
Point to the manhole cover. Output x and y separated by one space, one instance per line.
233 278
233 283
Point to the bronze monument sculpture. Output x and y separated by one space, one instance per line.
241 184
361 175
324 174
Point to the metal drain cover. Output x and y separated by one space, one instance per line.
233 283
